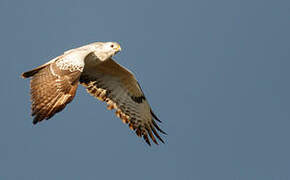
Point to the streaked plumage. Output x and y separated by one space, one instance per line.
54 84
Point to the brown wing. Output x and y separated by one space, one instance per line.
112 83
51 90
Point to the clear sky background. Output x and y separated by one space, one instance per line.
215 72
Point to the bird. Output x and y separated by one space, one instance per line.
53 85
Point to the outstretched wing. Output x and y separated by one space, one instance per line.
51 90
112 83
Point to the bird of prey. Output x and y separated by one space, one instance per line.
53 85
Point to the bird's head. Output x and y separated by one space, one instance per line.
105 50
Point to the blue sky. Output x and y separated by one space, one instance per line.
215 72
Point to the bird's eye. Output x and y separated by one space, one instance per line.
112 46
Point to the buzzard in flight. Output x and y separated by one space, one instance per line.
54 84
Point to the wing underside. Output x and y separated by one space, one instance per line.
112 83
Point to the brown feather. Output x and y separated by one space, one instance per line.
51 91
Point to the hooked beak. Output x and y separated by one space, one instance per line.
118 48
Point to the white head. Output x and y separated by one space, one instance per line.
105 50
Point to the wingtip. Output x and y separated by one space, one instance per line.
23 75
145 137
158 128
32 72
154 116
